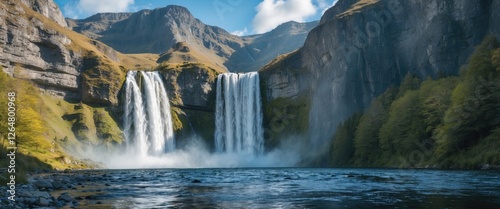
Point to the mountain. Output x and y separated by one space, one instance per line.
70 85
362 47
259 49
156 31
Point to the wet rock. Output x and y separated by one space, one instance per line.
196 181
57 185
42 202
43 184
30 201
485 167
65 197
41 194
25 194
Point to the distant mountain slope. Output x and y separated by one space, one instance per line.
262 48
156 31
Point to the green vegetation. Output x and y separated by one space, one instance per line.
101 80
343 144
47 127
285 117
36 149
451 122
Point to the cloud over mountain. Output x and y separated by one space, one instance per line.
271 13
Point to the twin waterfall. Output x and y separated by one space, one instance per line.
148 122
238 114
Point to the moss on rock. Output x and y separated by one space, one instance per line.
285 117
101 81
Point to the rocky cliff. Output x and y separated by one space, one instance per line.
361 47
36 45
37 48
191 89
158 30
48 9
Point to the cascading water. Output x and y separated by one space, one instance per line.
239 114
147 120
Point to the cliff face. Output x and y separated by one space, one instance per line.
48 9
32 50
191 89
156 31
36 45
362 47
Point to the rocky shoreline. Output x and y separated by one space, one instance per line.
56 190
38 193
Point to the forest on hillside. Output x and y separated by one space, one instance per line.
447 122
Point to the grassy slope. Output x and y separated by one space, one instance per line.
37 126
58 138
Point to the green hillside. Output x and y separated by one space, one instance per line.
450 122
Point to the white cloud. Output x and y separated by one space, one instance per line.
84 8
97 6
240 32
271 13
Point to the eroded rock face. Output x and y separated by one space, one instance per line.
192 87
361 47
32 51
48 9
38 49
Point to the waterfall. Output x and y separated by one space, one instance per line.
147 119
238 114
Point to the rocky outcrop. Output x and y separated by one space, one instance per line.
33 51
362 47
158 30
97 23
190 85
191 90
48 9
35 46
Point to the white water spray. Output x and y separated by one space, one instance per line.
239 114
147 120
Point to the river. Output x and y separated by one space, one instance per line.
286 188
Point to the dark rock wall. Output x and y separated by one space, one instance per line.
362 47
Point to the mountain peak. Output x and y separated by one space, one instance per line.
170 11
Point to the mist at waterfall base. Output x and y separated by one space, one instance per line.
239 138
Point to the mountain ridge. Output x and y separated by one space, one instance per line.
157 30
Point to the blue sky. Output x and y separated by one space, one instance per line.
241 17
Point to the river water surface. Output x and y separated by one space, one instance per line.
287 188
